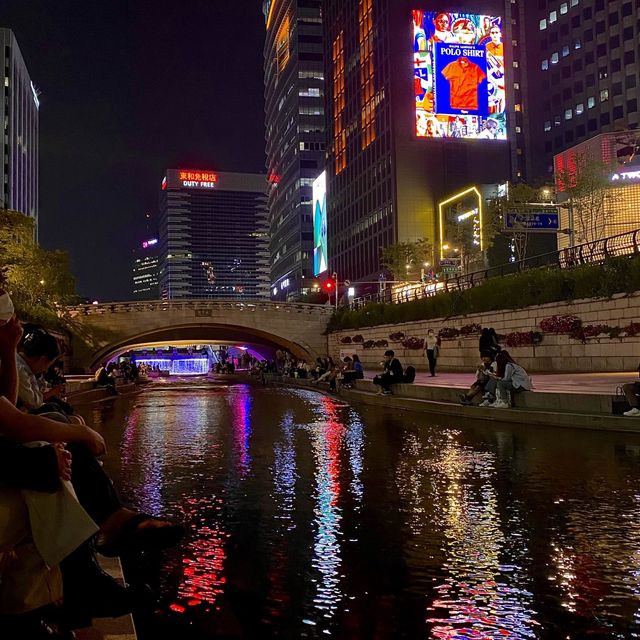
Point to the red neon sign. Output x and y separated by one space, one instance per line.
198 176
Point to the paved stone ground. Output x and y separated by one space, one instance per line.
550 382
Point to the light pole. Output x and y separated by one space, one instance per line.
335 279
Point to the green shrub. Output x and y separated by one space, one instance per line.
515 291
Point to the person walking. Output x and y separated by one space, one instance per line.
432 349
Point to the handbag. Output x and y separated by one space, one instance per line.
619 403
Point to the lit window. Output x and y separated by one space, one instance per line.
543 24
574 2
591 102
577 44
547 125
518 108
564 7
568 114
553 16
554 58
604 95
565 51
545 64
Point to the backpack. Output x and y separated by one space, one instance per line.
409 375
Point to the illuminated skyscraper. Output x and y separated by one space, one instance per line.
146 271
213 235
423 100
295 134
19 117
584 73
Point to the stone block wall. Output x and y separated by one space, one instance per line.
556 353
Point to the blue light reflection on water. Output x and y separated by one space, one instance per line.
332 520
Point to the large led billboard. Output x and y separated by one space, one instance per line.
320 262
459 76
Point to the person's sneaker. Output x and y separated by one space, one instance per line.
387 393
486 403
632 413
501 404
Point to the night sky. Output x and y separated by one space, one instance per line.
130 88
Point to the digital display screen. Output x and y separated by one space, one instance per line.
459 75
320 251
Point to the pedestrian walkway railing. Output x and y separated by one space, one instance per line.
596 252
203 308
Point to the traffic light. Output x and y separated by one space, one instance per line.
328 286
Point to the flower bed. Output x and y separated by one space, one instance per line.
413 343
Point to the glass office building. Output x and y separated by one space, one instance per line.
583 71
19 116
213 235
295 137
400 137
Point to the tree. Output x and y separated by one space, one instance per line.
590 198
39 281
406 260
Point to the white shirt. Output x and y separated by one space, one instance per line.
29 392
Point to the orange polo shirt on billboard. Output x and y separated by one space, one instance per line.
464 78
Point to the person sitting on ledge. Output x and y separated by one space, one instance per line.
510 378
632 393
393 373
483 378
355 372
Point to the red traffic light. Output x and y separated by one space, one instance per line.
328 285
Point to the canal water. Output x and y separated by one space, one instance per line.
308 517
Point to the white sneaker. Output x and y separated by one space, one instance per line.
485 403
501 404
632 413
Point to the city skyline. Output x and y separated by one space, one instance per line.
123 99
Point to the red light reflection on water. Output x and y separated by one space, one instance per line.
203 576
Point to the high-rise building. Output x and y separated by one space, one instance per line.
213 239
422 102
19 115
295 135
584 73
146 271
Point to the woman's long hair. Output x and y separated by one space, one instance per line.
502 360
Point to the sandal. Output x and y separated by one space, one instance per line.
132 537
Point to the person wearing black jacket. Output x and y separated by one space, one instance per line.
393 373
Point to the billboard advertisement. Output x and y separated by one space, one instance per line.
459 76
320 252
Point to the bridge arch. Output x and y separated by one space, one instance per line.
100 332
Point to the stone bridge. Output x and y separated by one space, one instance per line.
102 331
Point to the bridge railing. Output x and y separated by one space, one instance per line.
202 308
596 252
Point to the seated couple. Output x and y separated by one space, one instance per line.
496 381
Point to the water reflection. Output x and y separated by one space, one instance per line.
308 517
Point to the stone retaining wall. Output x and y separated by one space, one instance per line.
556 353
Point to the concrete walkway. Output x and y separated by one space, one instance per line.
605 383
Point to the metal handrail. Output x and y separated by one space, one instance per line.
596 252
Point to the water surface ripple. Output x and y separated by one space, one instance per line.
311 518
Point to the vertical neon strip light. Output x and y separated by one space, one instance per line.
339 134
367 72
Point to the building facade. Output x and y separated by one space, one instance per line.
213 235
583 69
146 270
19 107
295 137
404 133
598 183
